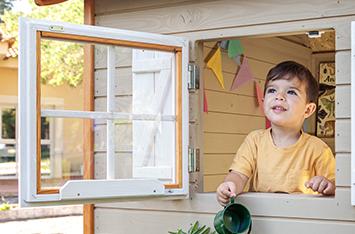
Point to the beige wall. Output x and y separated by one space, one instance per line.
69 98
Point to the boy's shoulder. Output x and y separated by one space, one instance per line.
258 134
314 142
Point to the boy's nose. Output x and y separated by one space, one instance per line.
280 97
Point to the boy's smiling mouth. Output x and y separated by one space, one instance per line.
278 108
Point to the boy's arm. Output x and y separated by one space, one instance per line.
233 185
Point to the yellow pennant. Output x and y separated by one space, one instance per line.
215 64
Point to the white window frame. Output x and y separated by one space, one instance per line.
80 191
352 113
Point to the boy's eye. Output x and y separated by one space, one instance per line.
291 92
270 90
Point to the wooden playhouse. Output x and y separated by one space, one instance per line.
315 33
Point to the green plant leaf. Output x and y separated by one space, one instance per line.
194 228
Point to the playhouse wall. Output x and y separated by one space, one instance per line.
213 20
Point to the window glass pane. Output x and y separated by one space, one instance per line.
44 128
62 74
7 160
8 125
62 158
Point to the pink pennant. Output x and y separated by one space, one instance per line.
205 105
259 96
243 75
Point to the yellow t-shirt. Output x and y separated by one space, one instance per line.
273 169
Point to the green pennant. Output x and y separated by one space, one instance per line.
234 48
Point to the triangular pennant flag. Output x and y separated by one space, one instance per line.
205 105
224 44
242 76
234 48
215 64
259 97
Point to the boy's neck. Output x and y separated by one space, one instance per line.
284 137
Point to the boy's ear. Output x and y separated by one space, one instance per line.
310 108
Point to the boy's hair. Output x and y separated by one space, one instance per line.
289 70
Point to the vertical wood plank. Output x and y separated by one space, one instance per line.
88 83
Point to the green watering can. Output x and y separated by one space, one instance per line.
233 219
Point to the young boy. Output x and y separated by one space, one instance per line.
283 158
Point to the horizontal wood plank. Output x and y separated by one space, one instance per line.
230 123
123 165
222 143
147 221
226 13
259 204
217 163
342 101
342 136
230 103
342 67
343 170
122 82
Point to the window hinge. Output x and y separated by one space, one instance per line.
194 77
194 159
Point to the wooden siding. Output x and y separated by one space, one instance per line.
272 213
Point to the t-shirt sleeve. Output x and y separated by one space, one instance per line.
244 160
325 165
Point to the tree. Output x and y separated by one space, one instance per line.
62 62
5 5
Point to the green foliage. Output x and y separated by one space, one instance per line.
195 229
5 5
5 206
8 123
61 62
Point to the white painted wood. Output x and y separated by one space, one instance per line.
342 67
110 126
342 101
90 189
260 204
352 126
123 137
27 113
343 170
123 58
227 14
342 136
340 24
122 83
123 163
109 6
153 88
105 115
148 221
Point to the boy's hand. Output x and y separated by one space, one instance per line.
225 191
321 184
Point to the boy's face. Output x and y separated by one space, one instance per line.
285 103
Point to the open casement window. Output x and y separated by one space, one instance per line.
139 123
353 113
